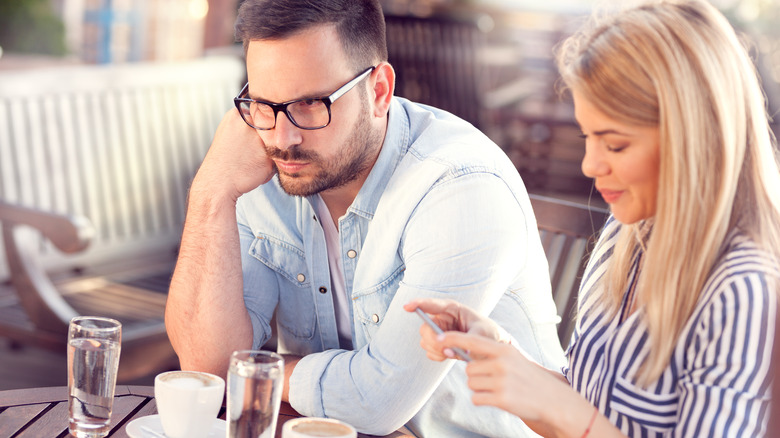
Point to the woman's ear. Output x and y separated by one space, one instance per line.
383 86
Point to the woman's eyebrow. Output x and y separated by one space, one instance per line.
610 131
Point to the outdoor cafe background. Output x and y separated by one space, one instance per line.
488 61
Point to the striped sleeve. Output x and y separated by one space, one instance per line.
725 383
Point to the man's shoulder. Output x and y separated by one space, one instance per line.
435 134
429 124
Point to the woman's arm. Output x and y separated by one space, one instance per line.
502 375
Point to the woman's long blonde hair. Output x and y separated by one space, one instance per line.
679 66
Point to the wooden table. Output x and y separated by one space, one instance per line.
43 412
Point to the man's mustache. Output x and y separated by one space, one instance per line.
290 154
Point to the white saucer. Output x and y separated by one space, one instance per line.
152 422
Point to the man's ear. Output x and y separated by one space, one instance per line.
383 86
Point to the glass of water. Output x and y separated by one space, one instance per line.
254 393
93 360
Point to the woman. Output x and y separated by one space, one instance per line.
678 302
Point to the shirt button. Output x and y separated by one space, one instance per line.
352 253
375 318
301 278
323 290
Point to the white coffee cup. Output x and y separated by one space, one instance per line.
311 427
188 402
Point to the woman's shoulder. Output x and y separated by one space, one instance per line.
744 273
742 256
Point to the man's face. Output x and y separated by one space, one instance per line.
312 64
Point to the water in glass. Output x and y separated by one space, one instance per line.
254 396
92 368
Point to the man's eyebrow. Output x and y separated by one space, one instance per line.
304 97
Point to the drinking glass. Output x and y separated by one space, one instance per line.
255 380
93 360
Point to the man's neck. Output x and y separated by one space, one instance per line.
338 200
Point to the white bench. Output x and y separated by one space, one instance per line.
96 161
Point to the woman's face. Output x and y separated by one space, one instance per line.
623 161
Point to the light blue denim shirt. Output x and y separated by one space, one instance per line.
443 213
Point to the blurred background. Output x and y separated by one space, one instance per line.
488 61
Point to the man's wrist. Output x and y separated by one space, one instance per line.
290 361
204 191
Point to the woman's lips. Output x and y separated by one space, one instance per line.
610 196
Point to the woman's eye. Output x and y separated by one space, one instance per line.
615 148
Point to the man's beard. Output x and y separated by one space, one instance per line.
355 156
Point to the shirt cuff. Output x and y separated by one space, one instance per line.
305 389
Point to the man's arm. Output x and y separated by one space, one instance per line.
205 314
466 241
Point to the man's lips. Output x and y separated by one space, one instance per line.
610 196
290 166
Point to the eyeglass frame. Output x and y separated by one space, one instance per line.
277 107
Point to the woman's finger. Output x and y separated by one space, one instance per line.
432 306
473 343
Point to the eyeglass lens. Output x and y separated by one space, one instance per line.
306 114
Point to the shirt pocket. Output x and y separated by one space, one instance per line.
371 304
654 411
295 313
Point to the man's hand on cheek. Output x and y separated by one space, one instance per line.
236 162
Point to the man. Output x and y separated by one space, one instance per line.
333 212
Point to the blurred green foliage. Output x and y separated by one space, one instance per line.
30 26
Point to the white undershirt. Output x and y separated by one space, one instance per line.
337 282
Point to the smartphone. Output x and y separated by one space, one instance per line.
427 319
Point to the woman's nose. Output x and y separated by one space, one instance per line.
593 163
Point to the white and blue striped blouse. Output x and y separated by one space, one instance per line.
718 381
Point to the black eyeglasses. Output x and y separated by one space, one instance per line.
310 113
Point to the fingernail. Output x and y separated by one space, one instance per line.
449 353
440 337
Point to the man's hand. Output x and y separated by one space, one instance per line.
236 162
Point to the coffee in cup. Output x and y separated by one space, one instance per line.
188 402
313 427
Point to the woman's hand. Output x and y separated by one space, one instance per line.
452 316
502 375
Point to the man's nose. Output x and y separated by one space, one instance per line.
285 133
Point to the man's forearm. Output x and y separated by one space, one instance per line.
205 315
